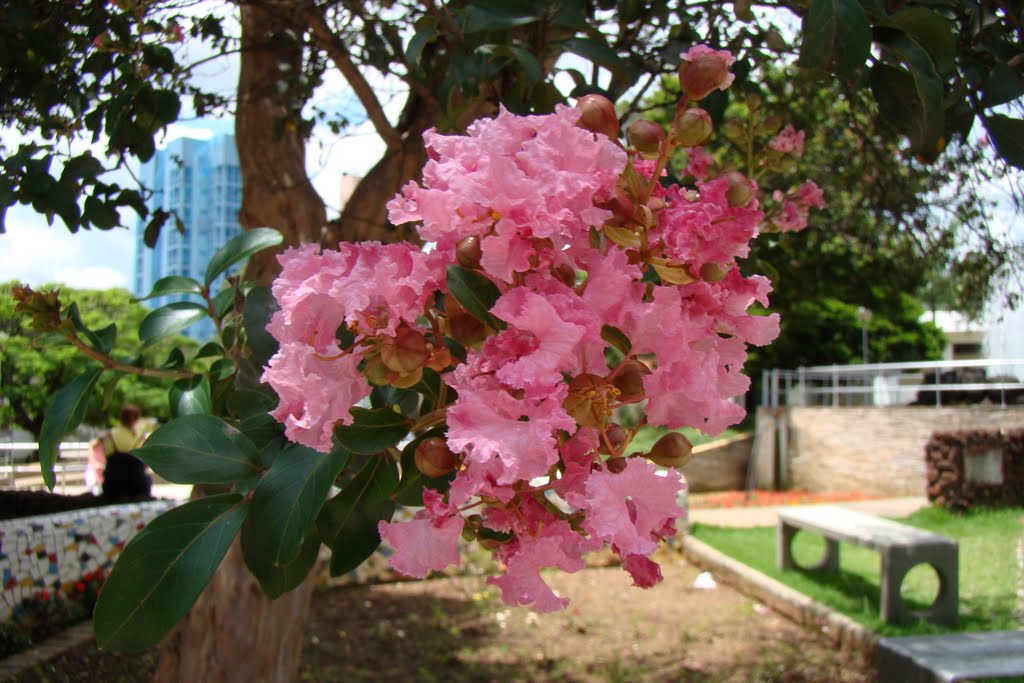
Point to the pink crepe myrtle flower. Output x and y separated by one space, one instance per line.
423 544
788 141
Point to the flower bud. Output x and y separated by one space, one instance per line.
433 457
704 70
404 352
646 136
771 125
377 373
406 380
598 115
671 450
565 274
615 465
713 272
621 204
468 252
615 437
740 190
733 130
589 400
629 380
693 127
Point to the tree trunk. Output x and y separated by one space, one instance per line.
276 191
235 633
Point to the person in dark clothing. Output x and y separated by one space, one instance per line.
125 476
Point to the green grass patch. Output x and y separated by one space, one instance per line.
648 435
989 573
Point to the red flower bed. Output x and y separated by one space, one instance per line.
759 498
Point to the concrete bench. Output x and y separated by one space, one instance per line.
950 657
902 547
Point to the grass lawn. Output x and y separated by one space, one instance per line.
989 572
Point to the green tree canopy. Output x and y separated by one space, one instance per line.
34 366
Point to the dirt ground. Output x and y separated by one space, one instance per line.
458 630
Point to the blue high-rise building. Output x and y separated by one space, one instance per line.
200 181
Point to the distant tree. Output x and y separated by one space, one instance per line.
33 367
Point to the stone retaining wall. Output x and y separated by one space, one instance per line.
47 552
719 465
877 451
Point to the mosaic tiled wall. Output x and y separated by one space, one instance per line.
45 552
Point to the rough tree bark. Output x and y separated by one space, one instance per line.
276 191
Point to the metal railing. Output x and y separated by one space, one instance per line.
935 383
71 459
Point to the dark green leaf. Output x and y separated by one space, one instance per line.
476 293
410 490
63 415
836 37
191 396
102 341
372 431
276 580
102 214
288 498
210 350
260 305
223 301
267 434
152 232
1007 136
616 338
222 369
243 403
200 449
348 522
422 38
912 104
174 284
531 67
240 248
931 31
1002 85
484 17
169 319
162 571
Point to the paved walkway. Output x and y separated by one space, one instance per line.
768 515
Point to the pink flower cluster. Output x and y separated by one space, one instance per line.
539 478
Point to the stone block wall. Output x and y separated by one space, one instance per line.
877 451
971 468
49 551
719 466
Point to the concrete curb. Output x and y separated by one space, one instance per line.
843 631
52 647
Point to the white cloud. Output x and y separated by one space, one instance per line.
37 254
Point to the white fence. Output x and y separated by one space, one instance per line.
71 461
936 383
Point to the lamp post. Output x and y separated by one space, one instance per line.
864 316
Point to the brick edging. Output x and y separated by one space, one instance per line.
52 647
843 631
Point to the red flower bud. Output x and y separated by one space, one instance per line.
433 457
468 252
693 127
740 190
704 70
646 136
629 381
671 450
615 436
598 115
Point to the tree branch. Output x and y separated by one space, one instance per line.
329 43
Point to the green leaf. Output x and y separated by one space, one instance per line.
928 120
169 319
243 403
222 302
531 67
240 248
288 498
1007 136
260 305
348 522
210 350
372 431
422 38
836 37
410 490
483 17
597 52
1002 85
162 571
191 396
267 434
152 232
476 293
200 449
101 214
931 31
174 284
84 165
101 340
616 338
63 415
278 579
